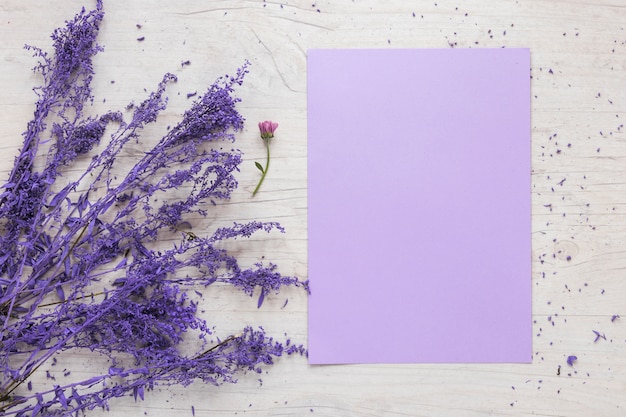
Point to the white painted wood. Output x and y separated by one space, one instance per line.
578 54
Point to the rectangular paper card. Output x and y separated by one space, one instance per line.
419 206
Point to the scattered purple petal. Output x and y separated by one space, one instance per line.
598 336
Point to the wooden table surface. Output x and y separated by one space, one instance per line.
578 53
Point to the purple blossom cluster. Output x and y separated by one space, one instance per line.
79 264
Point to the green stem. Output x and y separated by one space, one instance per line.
267 165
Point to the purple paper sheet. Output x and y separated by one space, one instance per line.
419 206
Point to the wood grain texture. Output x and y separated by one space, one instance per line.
578 53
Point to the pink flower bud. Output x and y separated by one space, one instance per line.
267 129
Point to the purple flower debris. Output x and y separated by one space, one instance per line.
598 336
79 264
571 359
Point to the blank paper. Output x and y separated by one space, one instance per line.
419 205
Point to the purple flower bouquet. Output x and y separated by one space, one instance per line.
79 264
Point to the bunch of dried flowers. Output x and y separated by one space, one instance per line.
79 264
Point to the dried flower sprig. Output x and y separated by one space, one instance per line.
267 129
79 265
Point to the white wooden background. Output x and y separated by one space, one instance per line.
578 52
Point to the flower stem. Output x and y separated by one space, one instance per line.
222 343
267 165
93 294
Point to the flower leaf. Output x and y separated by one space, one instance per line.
259 166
